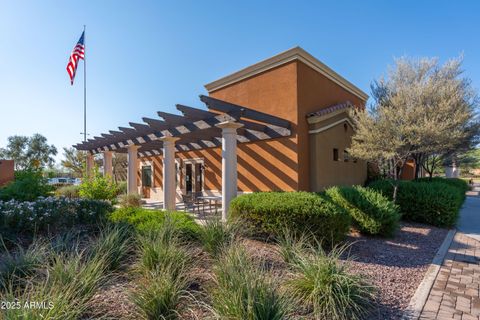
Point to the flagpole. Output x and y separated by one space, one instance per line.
84 87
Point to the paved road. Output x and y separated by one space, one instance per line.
456 291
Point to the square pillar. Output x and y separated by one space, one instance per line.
132 187
89 164
169 187
229 163
107 164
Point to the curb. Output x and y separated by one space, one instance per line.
420 297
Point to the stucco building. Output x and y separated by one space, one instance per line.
282 124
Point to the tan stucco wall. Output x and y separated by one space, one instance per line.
315 92
326 172
6 171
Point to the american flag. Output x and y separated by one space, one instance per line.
77 54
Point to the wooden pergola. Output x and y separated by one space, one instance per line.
224 125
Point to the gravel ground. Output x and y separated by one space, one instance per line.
396 266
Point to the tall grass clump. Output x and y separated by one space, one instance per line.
324 285
162 294
291 244
62 289
114 244
242 291
163 267
216 235
16 266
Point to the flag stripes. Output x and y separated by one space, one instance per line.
78 53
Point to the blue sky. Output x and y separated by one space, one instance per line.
145 56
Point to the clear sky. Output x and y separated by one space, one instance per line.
144 56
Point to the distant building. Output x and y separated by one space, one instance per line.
7 171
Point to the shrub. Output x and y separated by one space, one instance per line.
244 291
146 221
68 192
371 212
216 235
122 187
98 187
50 214
460 184
27 186
434 203
323 284
130 201
270 212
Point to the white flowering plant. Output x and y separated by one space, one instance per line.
51 213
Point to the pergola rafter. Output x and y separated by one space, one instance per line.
196 129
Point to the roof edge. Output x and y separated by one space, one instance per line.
296 53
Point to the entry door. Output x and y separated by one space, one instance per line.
188 178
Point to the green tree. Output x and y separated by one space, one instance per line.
29 152
74 161
420 110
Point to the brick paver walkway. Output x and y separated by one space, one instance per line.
455 293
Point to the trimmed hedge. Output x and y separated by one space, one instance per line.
460 184
435 203
371 212
270 212
145 220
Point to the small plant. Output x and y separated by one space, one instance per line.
290 245
130 201
323 284
243 291
114 245
163 249
16 267
71 192
161 294
216 235
98 187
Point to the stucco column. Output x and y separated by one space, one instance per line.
229 163
132 187
89 164
169 187
107 164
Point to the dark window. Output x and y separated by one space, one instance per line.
146 176
335 154
346 156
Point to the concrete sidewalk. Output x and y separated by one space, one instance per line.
456 291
